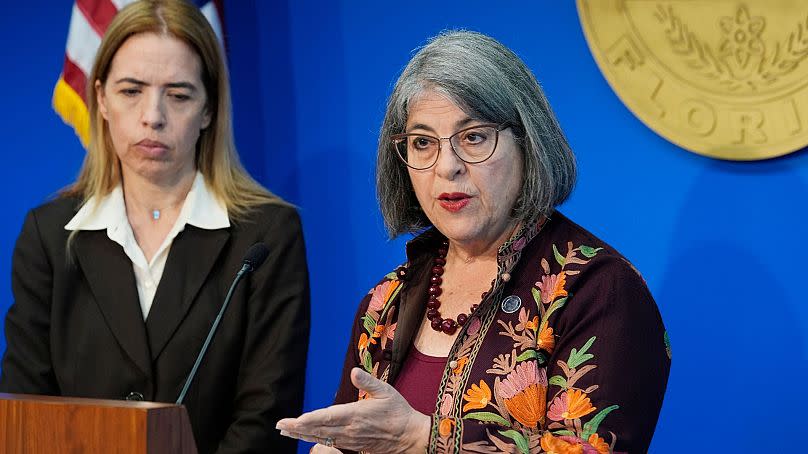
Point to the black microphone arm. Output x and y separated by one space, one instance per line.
255 256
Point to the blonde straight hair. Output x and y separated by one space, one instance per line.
216 156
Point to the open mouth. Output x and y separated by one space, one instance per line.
454 201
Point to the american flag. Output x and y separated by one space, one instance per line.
88 21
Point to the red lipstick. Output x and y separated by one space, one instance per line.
454 201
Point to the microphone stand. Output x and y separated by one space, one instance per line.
245 269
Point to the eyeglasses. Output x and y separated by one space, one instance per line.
472 145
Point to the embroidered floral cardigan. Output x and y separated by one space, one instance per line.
580 366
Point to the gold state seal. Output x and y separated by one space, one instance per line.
727 79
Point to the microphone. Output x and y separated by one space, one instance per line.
254 258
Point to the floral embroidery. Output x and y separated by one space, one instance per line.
446 405
377 331
477 396
599 444
567 444
520 398
461 363
546 339
381 294
555 445
391 331
552 286
525 392
520 408
445 428
571 405
364 341
532 324
379 308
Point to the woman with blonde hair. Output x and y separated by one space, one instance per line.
118 281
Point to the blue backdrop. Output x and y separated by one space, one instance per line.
719 243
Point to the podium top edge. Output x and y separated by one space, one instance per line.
60 400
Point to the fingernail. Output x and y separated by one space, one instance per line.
284 433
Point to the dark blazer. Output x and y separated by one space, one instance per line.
76 328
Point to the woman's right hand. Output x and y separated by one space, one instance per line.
382 423
322 449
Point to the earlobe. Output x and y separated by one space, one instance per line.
206 119
100 98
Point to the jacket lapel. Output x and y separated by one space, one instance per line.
412 307
109 273
192 256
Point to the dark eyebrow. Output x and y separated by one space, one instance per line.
186 85
181 84
130 80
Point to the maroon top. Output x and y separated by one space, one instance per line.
419 380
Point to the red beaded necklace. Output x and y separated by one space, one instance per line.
447 325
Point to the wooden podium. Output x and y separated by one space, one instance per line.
54 425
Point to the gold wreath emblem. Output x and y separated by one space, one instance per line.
742 60
721 78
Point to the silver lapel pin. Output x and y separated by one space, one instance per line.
511 304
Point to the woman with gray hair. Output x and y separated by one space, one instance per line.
509 328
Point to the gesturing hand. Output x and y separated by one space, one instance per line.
382 423
320 449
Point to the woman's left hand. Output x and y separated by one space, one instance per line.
382 423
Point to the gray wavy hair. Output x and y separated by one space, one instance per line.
491 84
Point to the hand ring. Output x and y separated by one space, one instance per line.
329 442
